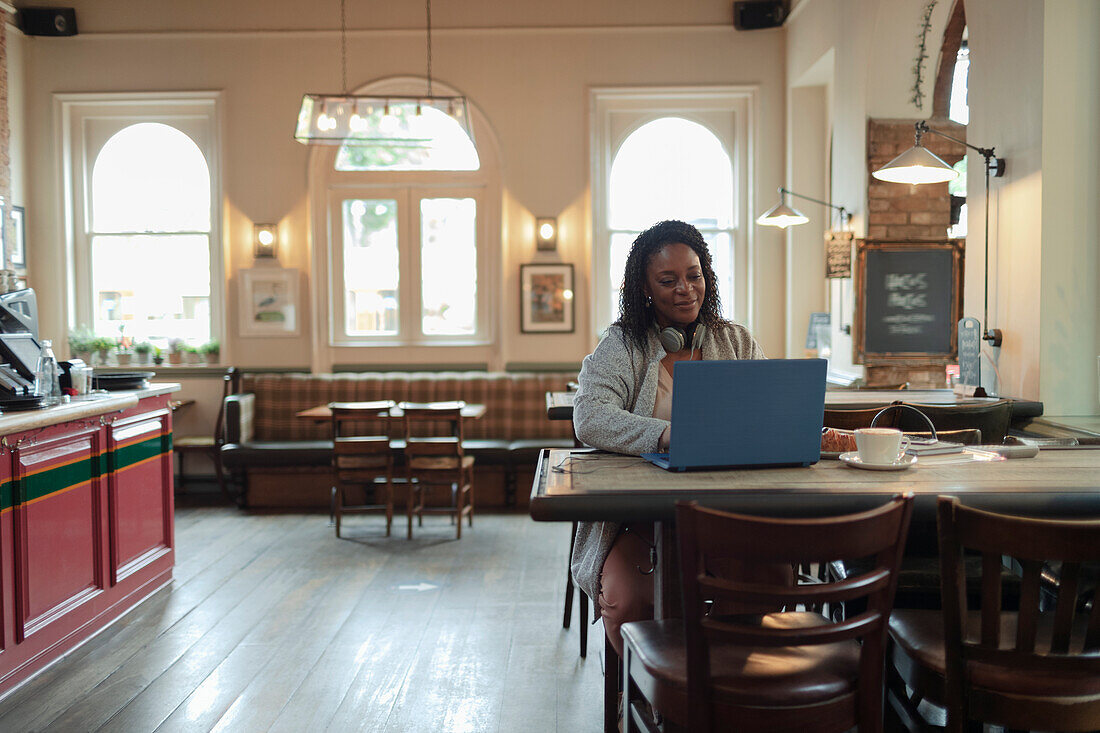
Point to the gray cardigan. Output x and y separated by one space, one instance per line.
613 411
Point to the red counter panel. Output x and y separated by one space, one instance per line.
86 530
58 527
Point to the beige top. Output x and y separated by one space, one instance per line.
662 407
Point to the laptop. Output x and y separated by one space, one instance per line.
745 414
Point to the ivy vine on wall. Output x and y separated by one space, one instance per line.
922 55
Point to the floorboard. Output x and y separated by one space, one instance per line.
271 623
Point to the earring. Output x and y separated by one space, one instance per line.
648 301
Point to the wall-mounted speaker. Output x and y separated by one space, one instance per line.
47 21
751 16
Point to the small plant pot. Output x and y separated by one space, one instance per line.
124 359
84 356
101 357
158 360
175 358
193 357
143 359
212 357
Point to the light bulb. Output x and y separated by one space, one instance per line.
266 237
326 122
357 123
388 124
546 231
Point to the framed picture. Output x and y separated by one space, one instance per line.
546 298
17 253
269 301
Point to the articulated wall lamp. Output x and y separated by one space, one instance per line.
784 216
919 165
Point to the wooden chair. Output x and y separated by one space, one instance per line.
363 463
209 445
437 460
1028 669
787 669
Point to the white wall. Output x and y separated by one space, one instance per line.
528 68
1034 78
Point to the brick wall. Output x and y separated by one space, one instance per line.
902 213
899 212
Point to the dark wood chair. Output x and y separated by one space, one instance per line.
209 445
361 462
784 669
434 458
1025 669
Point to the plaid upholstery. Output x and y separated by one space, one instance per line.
515 402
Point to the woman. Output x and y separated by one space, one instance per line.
669 311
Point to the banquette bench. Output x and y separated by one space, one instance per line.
281 460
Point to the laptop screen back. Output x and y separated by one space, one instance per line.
747 412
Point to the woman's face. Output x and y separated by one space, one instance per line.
674 280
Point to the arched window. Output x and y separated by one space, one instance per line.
145 214
672 168
675 153
408 230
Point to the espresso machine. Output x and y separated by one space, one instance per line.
19 347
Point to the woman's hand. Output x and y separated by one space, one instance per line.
665 440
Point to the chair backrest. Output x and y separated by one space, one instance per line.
855 418
356 447
992 418
1062 639
433 429
709 537
227 389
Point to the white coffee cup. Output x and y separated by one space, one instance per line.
880 445
79 377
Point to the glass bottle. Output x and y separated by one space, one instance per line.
46 374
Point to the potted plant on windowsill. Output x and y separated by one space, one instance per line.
81 344
191 355
158 356
123 355
211 351
143 350
175 351
102 347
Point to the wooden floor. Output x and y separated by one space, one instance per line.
273 624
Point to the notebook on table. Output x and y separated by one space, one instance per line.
745 413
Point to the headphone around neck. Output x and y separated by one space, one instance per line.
674 338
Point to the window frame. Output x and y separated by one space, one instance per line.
324 181
616 112
78 114
410 294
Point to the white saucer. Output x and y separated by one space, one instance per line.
853 460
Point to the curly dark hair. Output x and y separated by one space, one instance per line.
635 318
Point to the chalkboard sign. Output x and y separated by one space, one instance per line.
908 302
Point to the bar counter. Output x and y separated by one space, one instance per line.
86 521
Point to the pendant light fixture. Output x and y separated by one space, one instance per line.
919 165
383 121
784 216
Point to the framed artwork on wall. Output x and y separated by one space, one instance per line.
269 302
546 298
17 252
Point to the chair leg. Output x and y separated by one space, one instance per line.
332 508
389 504
569 581
459 498
409 505
219 472
584 622
338 504
612 671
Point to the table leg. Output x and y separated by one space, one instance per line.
666 574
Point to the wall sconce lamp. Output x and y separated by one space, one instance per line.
265 237
919 165
546 234
784 216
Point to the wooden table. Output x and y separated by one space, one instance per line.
559 405
323 413
594 486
